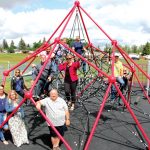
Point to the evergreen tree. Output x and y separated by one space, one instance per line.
28 47
127 49
1 49
70 41
134 49
12 45
146 49
5 44
10 50
22 45
44 40
107 48
141 47
37 45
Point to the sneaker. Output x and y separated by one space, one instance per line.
112 101
119 104
36 97
69 104
56 148
5 142
72 107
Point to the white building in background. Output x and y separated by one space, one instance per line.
134 56
147 57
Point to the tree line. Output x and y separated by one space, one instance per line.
142 49
24 47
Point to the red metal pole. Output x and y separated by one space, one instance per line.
43 67
14 111
126 60
86 32
83 24
91 45
28 65
91 64
96 24
121 51
52 126
113 60
67 21
98 117
4 80
79 94
43 47
142 88
60 25
129 90
133 116
99 49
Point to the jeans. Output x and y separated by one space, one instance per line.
5 127
70 91
113 89
83 64
39 87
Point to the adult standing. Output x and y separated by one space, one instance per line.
45 78
57 112
18 84
3 114
78 47
71 79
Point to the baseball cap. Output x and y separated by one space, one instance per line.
116 55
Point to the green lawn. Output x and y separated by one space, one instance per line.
9 60
12 58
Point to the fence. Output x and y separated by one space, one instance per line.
7 65
140 75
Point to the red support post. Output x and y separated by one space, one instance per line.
43 47
52 126
145 94
60 25
96 24
44 65
67 22
130 89
28 65
91 64
98 117
14 111
133 115
99 49
87 86
84 25
124 53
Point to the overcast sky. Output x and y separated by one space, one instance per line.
126 21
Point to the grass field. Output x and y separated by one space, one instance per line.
9 60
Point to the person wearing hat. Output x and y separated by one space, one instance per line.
118 73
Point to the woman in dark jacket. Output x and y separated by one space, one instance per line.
3 114
18 84
71 79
